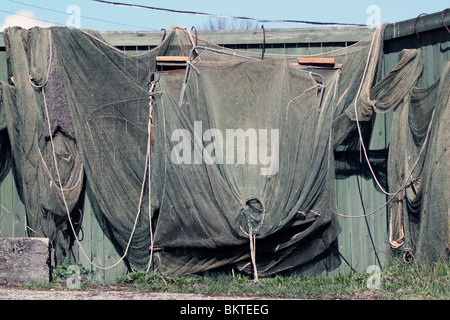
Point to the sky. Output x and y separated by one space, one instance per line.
86 14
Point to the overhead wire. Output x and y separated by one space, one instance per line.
205 14
25 16
68 14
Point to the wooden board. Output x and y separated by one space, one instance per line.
171 59
315 60
167 63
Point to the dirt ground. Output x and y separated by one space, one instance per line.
14 292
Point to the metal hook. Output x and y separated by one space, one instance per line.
164 35
415 27
443 20
196 39
81 217
151 75
183 87
264 42
195 30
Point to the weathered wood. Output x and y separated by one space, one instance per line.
172 58
316 61
424 23
24 260
246 36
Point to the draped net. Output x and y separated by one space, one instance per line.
228 164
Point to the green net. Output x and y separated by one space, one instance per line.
418 167
230 163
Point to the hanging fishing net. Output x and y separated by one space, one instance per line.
228 163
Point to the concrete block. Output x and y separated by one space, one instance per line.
24 260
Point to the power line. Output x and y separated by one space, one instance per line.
197 13
84 17
27 16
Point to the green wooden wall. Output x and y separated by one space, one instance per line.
363 241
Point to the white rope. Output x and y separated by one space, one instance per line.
62 189
114 48
356 111
24 224
149 129
252 238
405 182
395 244
409 175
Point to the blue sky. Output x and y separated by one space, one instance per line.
96 16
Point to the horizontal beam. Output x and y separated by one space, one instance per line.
279 35
245 36
424 23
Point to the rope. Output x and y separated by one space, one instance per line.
112 47
405 183
67 207
252 238
415 27
395 244
408 176
62 189
149 144
356 112
443 20
18 219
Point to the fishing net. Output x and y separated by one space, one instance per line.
229 163
419 222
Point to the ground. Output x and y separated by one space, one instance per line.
111 292
15 292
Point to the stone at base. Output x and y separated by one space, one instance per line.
24 260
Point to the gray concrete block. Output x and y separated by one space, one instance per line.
24 260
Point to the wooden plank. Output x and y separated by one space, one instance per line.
246 36
380 141
97 248
172 58
7 210
3 67
345 237
319 63
85 238
171 62
316 60
19 225
356 225
111 258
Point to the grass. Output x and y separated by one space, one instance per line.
397 281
